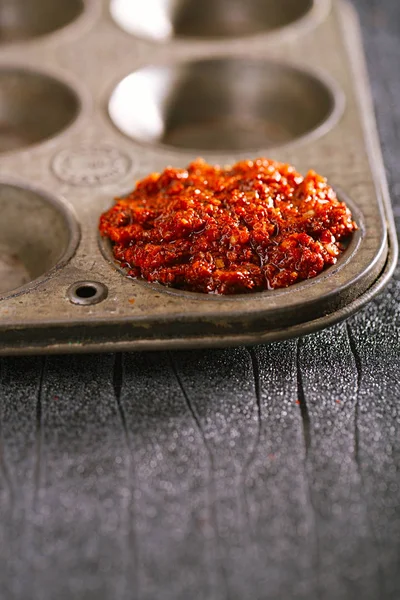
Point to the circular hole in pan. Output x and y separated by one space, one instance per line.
26 19
33 108
87 293
37 235
228 104
208 19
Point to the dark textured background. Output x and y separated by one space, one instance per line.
270 473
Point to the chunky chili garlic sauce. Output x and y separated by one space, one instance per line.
255 226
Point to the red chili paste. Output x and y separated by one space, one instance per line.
255 226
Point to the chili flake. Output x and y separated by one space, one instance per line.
255 226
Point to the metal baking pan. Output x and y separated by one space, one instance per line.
96 95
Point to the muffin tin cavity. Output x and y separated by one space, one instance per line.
26 19
37 234
162 20
33 108
222 105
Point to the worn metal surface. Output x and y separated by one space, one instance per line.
204 96
264 474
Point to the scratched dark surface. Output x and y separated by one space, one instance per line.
270 473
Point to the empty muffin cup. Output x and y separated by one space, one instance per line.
209 19
25 19
33 108
37 235
224 105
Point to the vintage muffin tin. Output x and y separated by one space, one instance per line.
94 95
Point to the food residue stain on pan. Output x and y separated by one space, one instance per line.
255 226
13 273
